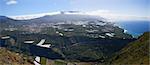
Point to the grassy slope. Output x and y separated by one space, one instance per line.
11 58
136 53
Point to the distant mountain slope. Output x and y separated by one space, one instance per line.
66 18
11 58
135 53
57 18
6 22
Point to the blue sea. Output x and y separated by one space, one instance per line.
135 28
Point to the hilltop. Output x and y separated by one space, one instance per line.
8 57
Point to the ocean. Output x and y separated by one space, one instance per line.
135 28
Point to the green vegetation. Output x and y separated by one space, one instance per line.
43 61
59 62
135 53
73 48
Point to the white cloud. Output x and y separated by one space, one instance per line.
11 2
113 16
32 16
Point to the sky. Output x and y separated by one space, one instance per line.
125 8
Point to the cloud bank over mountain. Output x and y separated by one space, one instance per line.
111 16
